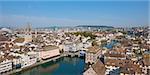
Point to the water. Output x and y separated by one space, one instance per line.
111 44
63 66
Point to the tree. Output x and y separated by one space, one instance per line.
94 43
103 42
85 34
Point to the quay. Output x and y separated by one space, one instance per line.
65 54
34 65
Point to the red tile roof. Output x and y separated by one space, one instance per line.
93 49
19 40
99 68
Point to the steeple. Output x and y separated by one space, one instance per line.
28 29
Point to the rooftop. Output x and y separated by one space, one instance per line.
3 38
114 55
7 57
127 66
50 47
19 40
146 59
93 49
99 68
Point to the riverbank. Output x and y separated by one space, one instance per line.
31 66
62 66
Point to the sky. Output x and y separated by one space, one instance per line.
73 13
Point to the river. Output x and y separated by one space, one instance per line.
63 66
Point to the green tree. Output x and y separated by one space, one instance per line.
103 42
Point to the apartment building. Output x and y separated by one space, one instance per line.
92 55
27 60
5 65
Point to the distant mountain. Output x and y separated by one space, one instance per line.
95 26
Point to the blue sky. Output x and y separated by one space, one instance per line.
72 13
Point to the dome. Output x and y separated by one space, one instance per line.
6 30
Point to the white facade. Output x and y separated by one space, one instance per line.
70 48
5 66
87 44
110 68
28 61
92 57
28 38
135 47
16 61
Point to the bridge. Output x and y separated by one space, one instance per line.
72 54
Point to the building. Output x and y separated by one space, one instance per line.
27 34
145 63
15 48
126 67
5 65
117 53
70 47
92 55
114 56
49 51
96 69
27 60
148 41
27 37
16 62
3 38
19 41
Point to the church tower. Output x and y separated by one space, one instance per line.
28 33
28 29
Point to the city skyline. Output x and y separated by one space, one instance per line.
73 13
68 37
